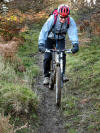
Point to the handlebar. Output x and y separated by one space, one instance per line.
55 50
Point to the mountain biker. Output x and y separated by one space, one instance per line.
55 34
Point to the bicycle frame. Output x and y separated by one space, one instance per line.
57 60
56 72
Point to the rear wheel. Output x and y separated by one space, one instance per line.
58 86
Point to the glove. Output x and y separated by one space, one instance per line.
75 48
42 48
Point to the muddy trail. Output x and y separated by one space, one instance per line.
51 118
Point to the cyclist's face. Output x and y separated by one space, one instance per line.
62 19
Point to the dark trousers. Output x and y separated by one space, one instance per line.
50 44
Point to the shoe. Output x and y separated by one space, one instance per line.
65 79
46 81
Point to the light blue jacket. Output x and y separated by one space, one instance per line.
58 28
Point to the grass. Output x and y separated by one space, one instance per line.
17 99
72 131
81 99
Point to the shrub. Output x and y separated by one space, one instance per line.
10 26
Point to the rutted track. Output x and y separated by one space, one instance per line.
51 119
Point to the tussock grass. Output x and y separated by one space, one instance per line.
15 83
81 97
16 95
7 72
16 99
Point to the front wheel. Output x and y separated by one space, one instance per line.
58 85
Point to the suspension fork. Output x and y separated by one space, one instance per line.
59 62
61 66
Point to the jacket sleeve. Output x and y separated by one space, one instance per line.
45 30
72 32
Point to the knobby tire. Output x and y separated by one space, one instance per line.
58 86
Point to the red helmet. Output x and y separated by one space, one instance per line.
64 10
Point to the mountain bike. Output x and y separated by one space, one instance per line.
56 71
